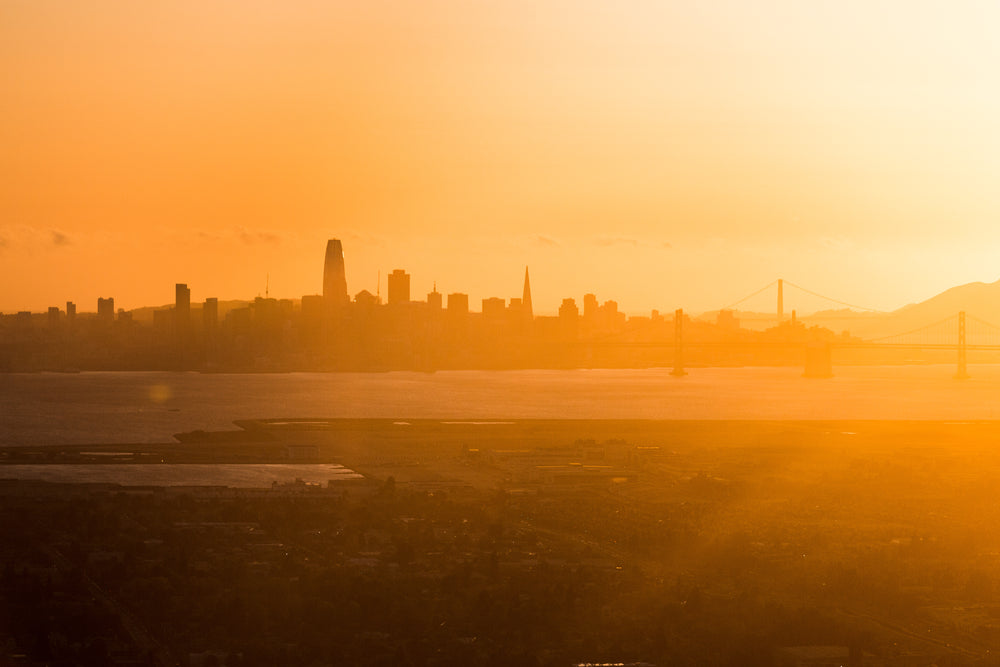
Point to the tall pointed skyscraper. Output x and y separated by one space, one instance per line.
334 277
526 298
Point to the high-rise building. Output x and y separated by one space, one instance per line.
70 313
494 308
399 287
210 313
334 276
611 319
106 309
517 319
434 299
312 310
569 318
458 304
182 306
568 310
53 317
526 298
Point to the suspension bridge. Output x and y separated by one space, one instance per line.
960 332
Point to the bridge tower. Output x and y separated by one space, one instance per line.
781 300
962 373
679 344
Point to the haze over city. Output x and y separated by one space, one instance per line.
666 155
461 334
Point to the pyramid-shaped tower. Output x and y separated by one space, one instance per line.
526 298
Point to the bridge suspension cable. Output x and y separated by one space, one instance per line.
836 301
919 330
981 332
807 291
750 296
988 325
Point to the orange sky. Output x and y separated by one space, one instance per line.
662 156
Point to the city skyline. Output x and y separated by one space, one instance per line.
156 291
335 282
553 333
334 289
659 154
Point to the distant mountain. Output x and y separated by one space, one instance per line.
980 300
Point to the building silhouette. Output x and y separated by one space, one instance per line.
366 299
210 314
106 309
399 287
528 313
458 304
590 306
334 276
182 306
434 299
569 316
494 309
329 332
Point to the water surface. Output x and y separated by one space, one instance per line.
85 408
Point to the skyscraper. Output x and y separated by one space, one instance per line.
434 299
210 313
526 298
569 319
106 309
399 287
494 308
182 306
458 304
334 276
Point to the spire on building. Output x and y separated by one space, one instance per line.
526 297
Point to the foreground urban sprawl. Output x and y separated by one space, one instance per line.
545 543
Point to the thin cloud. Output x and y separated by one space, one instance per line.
546 241
243 235
28 239
251 237
608 241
